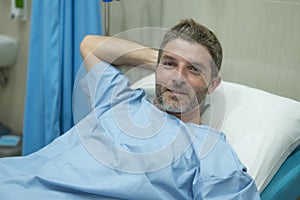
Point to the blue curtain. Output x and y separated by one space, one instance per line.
57 28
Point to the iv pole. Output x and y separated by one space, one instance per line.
106 16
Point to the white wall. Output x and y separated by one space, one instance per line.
260 38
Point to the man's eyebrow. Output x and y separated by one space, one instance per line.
168 57
196 64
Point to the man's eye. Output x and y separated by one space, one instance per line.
169 64
194 70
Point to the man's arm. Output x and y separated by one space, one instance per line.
116 51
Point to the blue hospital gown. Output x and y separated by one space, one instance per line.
128 149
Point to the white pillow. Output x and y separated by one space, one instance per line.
262 128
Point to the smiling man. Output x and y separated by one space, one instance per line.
187 66
186 69
130 148
183 78
189 60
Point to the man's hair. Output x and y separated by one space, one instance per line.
191 31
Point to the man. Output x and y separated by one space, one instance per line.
129 148
199 56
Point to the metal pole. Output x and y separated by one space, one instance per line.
106 16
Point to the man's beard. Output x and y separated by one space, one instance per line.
176 104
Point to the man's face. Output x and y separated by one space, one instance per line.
182 76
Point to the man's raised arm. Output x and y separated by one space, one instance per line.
119 52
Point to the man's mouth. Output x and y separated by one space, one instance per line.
177 92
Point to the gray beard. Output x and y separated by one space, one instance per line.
196 100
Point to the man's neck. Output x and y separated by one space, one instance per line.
189 117
192 116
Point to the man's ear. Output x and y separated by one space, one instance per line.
215 82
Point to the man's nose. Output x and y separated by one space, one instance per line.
179 75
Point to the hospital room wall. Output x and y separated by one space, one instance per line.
260 38
12 96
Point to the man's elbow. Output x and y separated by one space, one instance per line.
89 43
85 46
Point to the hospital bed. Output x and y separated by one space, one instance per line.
264 130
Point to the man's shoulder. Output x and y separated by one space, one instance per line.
216 156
